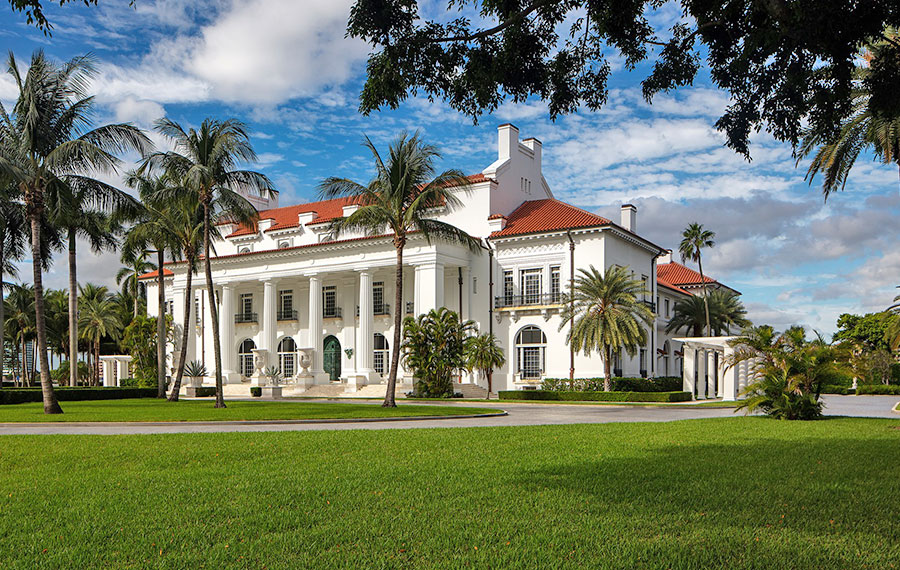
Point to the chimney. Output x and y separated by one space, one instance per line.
629 217
349 209
665 258
496 222
508 140
535 146
304 218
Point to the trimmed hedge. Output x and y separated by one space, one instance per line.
661 384
23 395
595 396
842 390
207 391
878 390
255 391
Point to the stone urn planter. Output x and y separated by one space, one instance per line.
271 392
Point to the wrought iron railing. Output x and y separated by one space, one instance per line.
382 309
332 313
287 315
245 318
504 301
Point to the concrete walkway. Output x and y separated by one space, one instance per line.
519 414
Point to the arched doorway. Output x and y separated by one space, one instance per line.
381 357
331 358
245 357
287 352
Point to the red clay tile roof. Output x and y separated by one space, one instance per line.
326 210
536 216
664 283
155 274
678 274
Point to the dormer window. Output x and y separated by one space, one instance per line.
282 244
244 249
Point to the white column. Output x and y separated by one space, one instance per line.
315 325
701 374
366 328
121 369
226 334
688 377
742 375
720 372
429 287
269 322
711 373
730 378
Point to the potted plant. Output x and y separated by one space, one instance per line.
272 389
195 371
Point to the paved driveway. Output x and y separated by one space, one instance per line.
519 414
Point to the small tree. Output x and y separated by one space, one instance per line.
434 349
607 315
139 340
484 354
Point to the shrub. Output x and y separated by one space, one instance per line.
256 391
207 391
595 396
22 395
662 384
877 389
832 389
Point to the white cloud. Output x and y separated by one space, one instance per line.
139 112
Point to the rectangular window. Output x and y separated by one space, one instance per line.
197 310
667 308
378 297
247 364
246 304
555 292
329 301
287 364
531 357
530 286
286 304
507 288
170 307
644 280
643 362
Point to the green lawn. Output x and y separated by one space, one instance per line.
722 493
152 410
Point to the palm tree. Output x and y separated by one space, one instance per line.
96 319
484 354
204 164
694 239
835 153
607 314
13 238
135 265
45 150
20 321
398 200
725 311
57 303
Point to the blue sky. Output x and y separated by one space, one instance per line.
285 68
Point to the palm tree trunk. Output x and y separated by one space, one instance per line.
2 321
51 405
188 297
607 370
160 326
213 310
389 401
134 285
73 312
97 362
705 295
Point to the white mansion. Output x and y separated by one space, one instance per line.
291 295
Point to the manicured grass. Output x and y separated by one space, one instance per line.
740 492
152 410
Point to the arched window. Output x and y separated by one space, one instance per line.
531 346
381 356
244 249
287 355
283 244
245 357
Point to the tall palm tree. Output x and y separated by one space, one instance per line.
484 354
46 149
404 191
135 265
20 321
205 164
693 240
96 319
607 314
835 153
57 304
725 312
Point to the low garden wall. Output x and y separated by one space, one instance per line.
594 396
23 395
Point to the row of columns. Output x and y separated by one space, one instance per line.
707 374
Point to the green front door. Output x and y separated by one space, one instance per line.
331 358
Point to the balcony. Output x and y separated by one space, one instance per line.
287 315
378 310
506 301
332 313
240 318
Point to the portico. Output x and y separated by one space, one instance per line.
709 370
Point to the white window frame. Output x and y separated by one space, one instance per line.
531 352
528 278
381 356
245 359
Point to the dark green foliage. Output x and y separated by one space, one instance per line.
776 396
781 62
662 384
868 331
139 340
61 374
595 396
22 395
256 391
878 389
434 349
206 391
